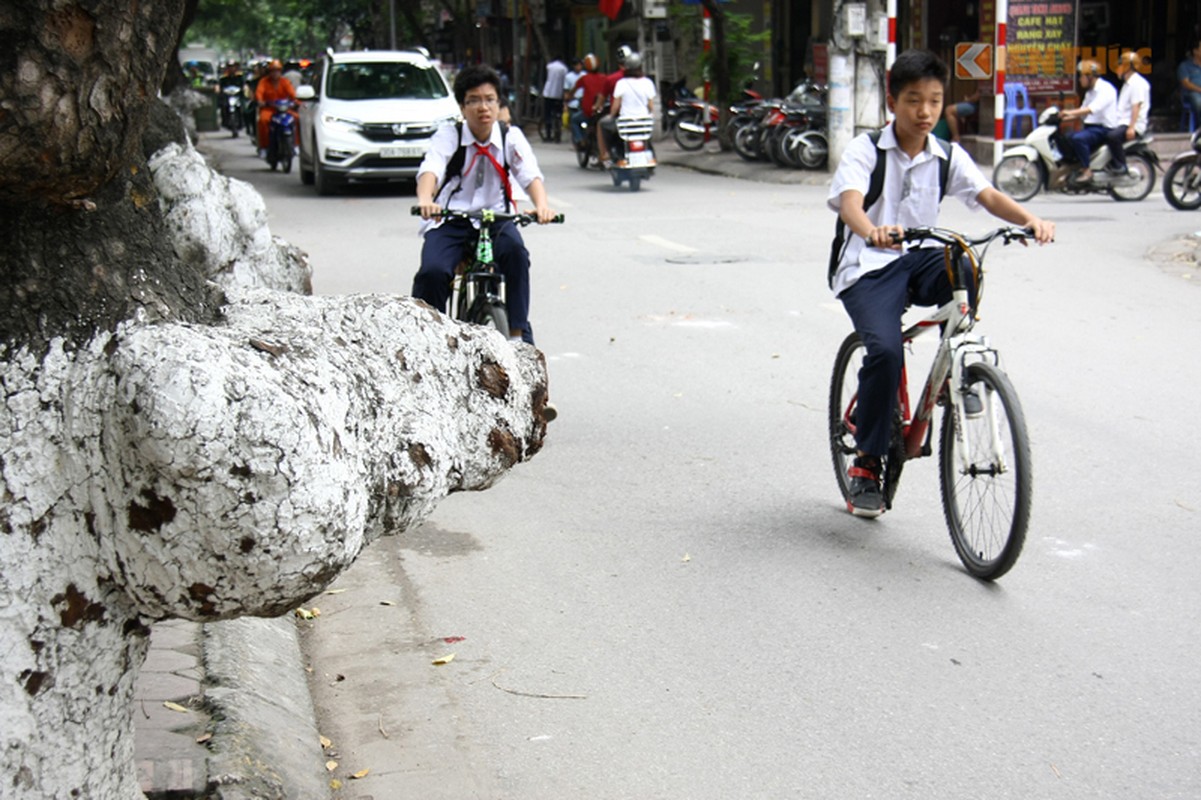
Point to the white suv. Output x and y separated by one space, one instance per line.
369 116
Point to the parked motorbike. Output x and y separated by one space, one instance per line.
788 133
686 115
231 109
1182 181
636 160
1045 160
281 145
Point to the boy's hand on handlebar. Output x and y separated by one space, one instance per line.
428 208
544 214
886 237
1044 231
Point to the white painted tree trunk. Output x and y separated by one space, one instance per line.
204 472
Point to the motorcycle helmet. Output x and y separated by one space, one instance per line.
623 53
591 62
1088 67
633 61
275 64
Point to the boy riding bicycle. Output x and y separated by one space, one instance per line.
873 277
468 168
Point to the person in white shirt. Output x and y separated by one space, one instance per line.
552 99
633 96
1099 112
875 278
493 156
1134 104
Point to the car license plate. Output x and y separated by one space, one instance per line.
404 151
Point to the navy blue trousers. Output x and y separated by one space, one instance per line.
1085 141
446 245
875 304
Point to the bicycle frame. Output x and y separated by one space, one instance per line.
957 347
477 276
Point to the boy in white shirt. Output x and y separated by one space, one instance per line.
873 277
492 154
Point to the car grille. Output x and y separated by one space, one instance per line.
397 131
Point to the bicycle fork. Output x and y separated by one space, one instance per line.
967 349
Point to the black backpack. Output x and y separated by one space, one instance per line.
455 166
875 187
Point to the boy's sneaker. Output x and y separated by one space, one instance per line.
867 498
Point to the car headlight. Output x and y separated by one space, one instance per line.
350 125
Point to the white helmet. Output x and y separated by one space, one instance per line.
633 61
624 52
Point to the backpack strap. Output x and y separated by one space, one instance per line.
454 167
875 187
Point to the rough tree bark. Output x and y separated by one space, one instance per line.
175 439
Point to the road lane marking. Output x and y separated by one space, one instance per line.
666 244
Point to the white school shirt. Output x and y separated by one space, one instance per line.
1102 104
1134 90
556 74
636 95
479 184
909 197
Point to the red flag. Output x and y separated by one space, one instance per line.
610 8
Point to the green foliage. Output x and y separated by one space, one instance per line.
743 46
295 28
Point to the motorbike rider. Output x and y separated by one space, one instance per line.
633 96
230 76
874 278
494 154
1099 110
1134 104
593 84
606 97
271 88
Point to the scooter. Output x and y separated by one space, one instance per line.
231 109
281 145
636 162
1045 160
1182 181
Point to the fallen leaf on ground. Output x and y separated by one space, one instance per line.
360 774
334 591
387 602
331 765
325 742
335 784
204 737
446 659
686 557
304 613
175 707
454 639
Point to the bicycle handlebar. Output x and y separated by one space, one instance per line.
487 216
1011 233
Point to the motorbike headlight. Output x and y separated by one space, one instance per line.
341 123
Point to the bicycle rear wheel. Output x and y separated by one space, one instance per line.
985 476
844 393
844 402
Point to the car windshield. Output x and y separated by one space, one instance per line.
389 79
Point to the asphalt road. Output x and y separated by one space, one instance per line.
670 601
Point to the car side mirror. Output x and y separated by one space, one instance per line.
305 92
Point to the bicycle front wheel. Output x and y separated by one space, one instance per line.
985 475
496 316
